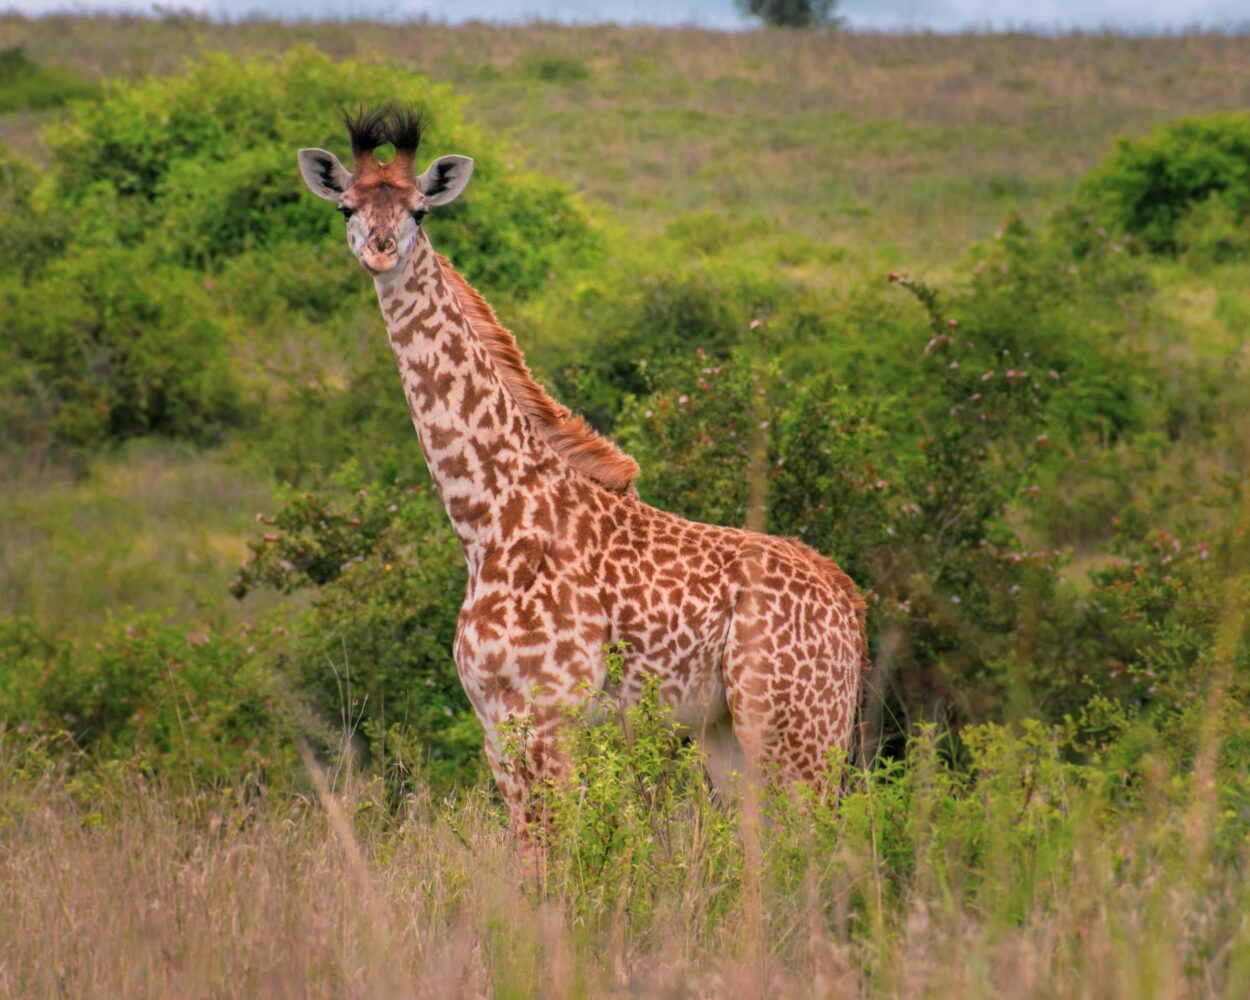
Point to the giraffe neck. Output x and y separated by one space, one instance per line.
478 445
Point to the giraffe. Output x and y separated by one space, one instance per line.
757 642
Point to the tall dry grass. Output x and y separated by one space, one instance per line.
125 892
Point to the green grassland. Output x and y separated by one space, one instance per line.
969 312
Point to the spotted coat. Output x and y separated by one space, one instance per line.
757 642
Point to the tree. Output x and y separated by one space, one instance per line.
792 13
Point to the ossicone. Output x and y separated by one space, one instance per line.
401 125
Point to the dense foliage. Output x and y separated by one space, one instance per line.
27 86
1186 185
182 246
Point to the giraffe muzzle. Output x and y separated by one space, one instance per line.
382 244
380 254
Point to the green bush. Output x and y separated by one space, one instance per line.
551 67
1215 230
182 235
638 818
111 342
375 650
27 86
106 354
22 237
922 479
1149 185
195 707
204 163
632 323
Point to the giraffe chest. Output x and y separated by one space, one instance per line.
537 617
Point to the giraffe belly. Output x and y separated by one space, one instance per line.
688 660
700 702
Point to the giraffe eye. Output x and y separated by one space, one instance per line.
419 215
347 212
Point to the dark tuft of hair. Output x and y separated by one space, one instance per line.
367 129
404 126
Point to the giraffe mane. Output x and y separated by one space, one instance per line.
572 437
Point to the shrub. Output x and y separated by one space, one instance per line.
21 232
205 163
180 218
922 481
27 86
110 343
1149 185
551 67
637 820
375 650
194 707
640 319
1215 230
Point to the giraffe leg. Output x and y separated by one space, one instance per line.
792 685
529 760
724 756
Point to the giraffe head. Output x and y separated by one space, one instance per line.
384 203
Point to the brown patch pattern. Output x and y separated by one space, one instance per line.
754 636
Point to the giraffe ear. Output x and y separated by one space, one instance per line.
324 175
445 179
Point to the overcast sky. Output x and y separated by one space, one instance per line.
938 15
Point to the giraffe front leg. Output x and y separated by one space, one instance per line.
531 764
523 693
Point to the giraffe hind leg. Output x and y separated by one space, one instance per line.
724 756
791 686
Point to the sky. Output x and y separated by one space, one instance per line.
886 15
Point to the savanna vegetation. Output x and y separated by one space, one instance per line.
965 313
